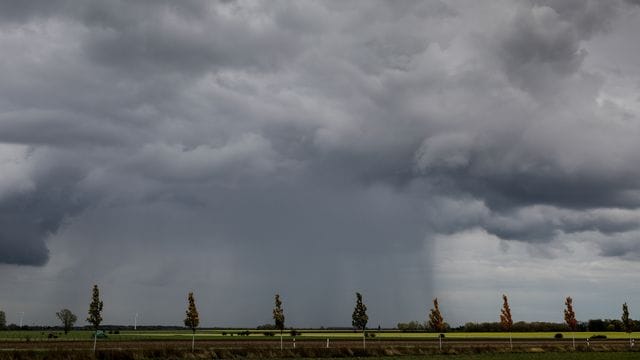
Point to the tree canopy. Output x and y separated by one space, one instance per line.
436 321
95 308
67 318
359 317
192 319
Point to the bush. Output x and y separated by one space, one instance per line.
558 336
269 333
598 337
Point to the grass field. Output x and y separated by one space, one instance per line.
529 356
310 335
212 344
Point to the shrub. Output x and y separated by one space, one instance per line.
598 337
558 336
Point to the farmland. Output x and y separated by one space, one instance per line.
234 343
313 334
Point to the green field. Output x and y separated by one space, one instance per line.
212 344
310 335
545 356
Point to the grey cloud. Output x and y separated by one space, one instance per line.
187 97
58 129
534 223
16 11
587 17
29 218
161 37
545 44
334 135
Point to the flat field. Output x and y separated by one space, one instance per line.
525 356
236 334
326 344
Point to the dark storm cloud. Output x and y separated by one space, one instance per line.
199 93
20 11
28 219
543 45
165 38
284 134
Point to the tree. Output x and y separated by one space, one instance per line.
436 321
3 320
570 318
627 323
278 317
95 313
192 320
68 319
505 318
359 317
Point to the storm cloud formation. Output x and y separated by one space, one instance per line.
315 137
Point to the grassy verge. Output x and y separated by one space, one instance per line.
386 353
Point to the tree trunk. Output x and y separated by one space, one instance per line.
193 341
440 341
510 341
281 340
573 335
364 345
95 340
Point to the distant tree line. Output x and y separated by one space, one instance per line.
519 326
593 325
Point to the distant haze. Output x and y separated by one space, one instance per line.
402 149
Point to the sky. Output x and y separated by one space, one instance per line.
402 149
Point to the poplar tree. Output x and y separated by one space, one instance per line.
505 318
3 320
359 317
436 321
278 317
570 318
192 320
627 323
95 313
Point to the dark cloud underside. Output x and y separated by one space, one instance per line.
279 134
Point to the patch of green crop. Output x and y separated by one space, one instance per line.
517 356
